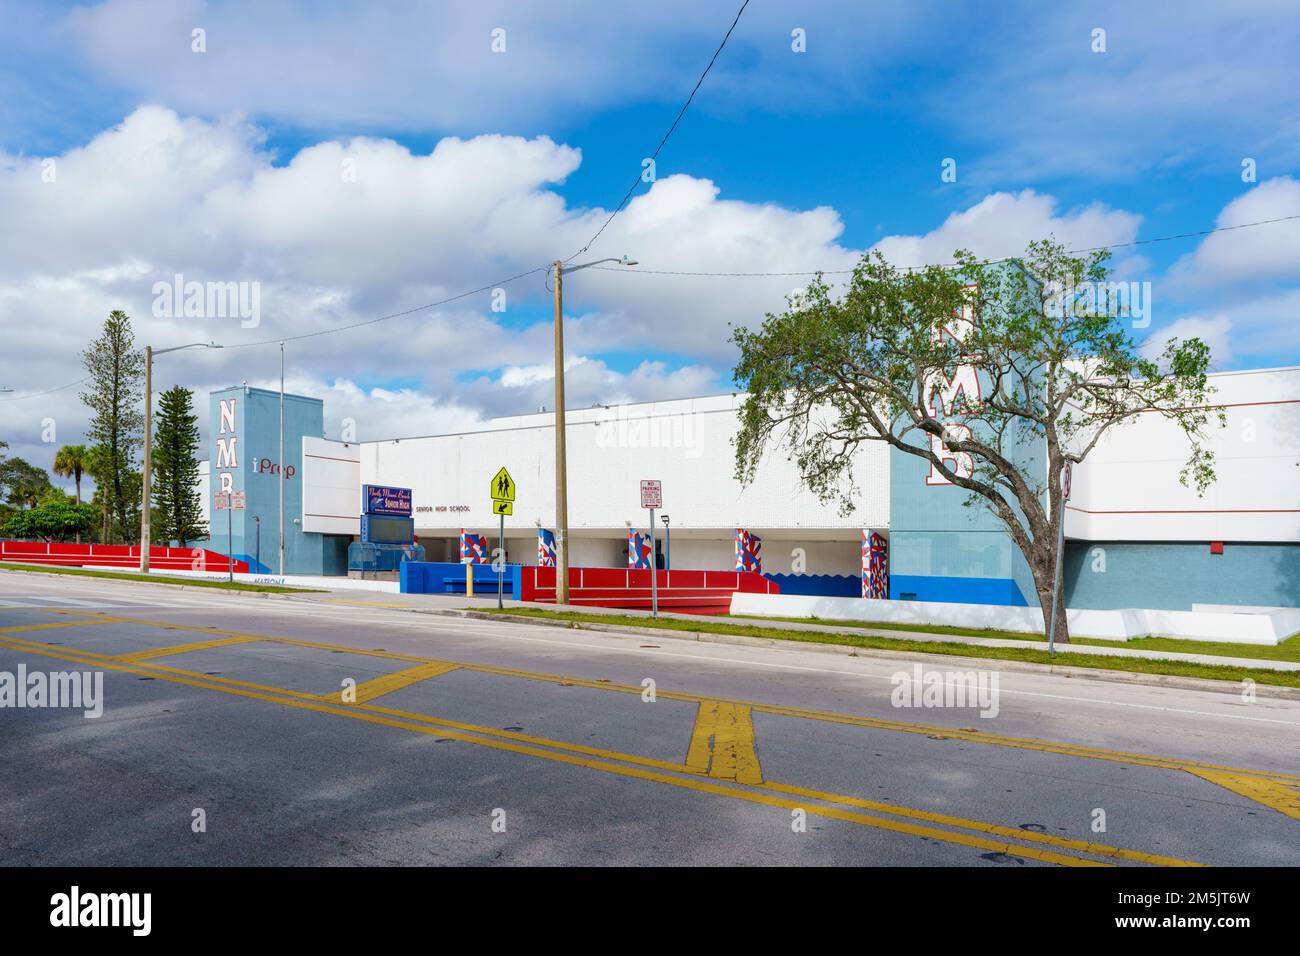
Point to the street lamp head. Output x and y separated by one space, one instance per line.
627 261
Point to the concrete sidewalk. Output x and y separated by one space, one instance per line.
443 603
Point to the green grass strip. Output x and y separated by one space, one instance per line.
1140 665
1288 650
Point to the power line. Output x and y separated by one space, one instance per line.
340 328
57 388
834 272
655 155
391 315
663 272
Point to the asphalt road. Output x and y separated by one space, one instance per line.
478 742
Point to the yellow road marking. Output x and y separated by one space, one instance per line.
365 713
18 629
1083 846
1282 797
104 660
722 743
1020 743
369 690
184 648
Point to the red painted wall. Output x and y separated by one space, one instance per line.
116 555
698 592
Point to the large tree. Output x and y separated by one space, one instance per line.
56 518
178 512
22 483
114 395
891 359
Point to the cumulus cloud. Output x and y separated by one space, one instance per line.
343 232
395 67
1250 255
346 231
1246 279
1040 102
1214 332
1003 224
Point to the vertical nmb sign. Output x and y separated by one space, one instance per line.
652 497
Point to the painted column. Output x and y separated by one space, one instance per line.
545 548
875 565
638 550
473 548
749 551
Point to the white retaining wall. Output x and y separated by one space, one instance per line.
1252 626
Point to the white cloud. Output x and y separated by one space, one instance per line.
430 64
1213 332
1003 224
1197 84
159 194
1249 255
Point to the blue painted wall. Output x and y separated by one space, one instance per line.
820 585
946 546
1170 575
959 590
934 533
250 456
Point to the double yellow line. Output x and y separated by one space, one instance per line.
721 761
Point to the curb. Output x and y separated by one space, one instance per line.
166 582
1102 675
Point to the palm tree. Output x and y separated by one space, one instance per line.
72 461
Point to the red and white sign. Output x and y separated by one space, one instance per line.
228 501
652 494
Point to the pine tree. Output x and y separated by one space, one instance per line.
177 510
115 396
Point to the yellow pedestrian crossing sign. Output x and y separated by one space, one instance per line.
503 487
502 507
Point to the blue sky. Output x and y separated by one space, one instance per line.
475 164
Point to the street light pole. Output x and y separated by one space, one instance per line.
561 454
146 531
281 459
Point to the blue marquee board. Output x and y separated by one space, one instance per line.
381 500
384 529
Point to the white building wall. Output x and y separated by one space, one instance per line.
686 444
1128 488
331 486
